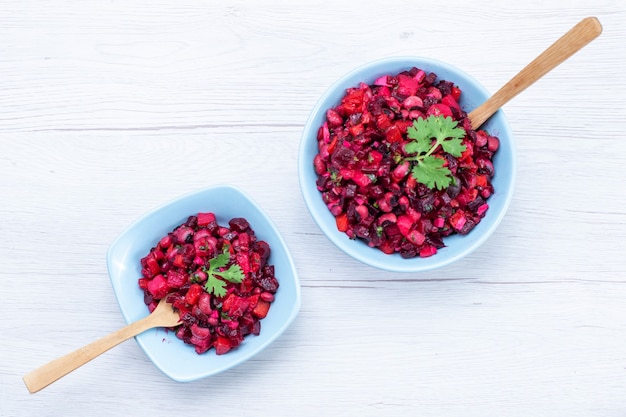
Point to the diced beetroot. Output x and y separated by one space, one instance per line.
239 224
228 302
261 309
204 303
402 126
253 300
256 262
482 181
342 222
407 86
383 122
413 214
179 261
178 301
405 223
393 134
416 237
175 279
346 173
158 287
401 171
222 345
201 345
238 307
467 155
428 251
331 147
410 182
382 81
356 130
263 249
205 219
193 294
361 179
450 101
456 93
385 203
353 101
152 265
458 219
200 332
386 247
375 157
213 319
243 260
439 109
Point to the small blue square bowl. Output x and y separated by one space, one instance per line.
457 246
170 355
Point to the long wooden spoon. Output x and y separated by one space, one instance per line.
575 39
163 316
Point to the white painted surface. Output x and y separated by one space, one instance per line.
110 108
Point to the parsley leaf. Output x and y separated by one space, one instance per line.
432 173
215 285
427 135
217 275
420 132
233 274
220 260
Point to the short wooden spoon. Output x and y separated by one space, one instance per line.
575 39
163 316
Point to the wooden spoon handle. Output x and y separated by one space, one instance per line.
575 39
45 375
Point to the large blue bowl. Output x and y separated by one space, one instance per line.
174 358
457 246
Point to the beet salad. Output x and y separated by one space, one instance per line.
218 278
400 167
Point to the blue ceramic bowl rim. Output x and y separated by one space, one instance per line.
292 308
367 73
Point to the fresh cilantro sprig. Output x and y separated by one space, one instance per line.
427 136
217 275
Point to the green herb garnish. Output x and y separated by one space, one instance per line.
232 274
427 135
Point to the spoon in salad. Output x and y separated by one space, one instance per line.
575 39
163 316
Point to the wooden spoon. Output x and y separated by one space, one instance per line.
575 39
163 316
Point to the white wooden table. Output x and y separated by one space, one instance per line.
110 108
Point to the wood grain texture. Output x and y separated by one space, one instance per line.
571 42
163 316
109 109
